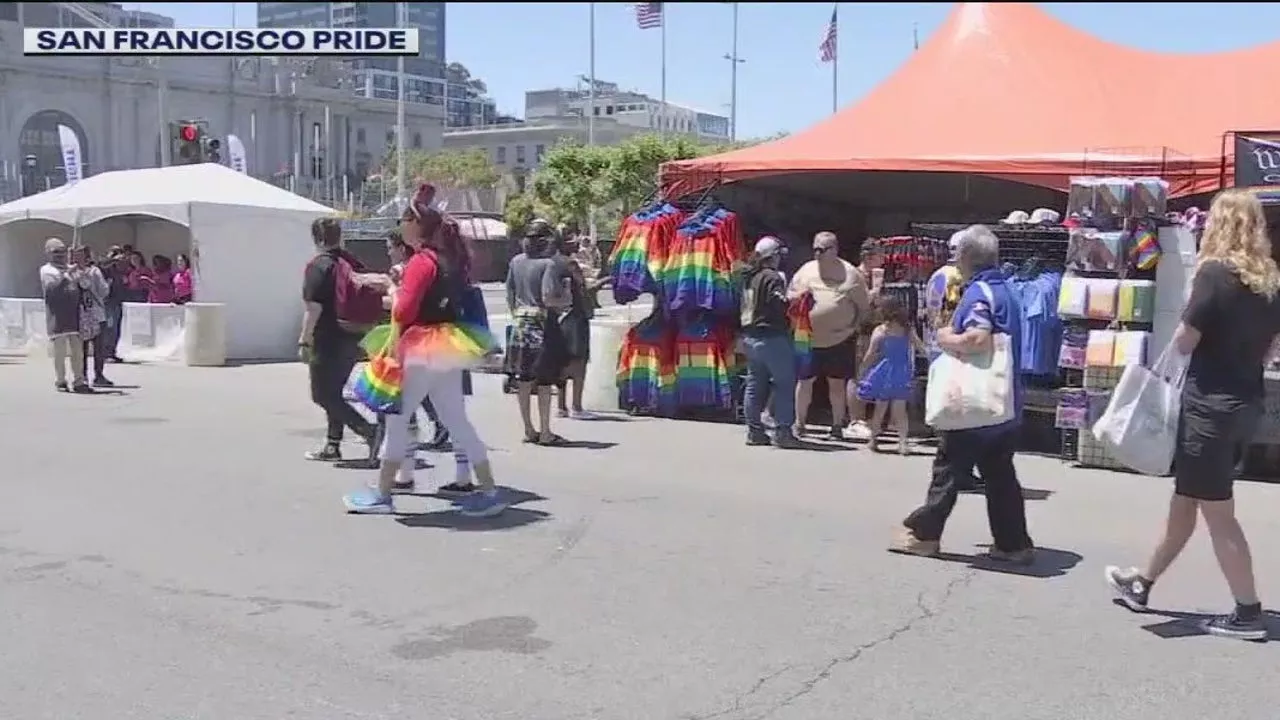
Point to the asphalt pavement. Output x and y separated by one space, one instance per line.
166 553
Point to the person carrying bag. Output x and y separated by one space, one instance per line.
1140 425
974 391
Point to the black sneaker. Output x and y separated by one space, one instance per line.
328 453
1238 627
457 488
103 382
62 386
82 388
1130 587
758 438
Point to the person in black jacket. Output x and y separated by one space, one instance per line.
766 341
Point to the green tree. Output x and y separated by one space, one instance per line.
614 180
464 169
520 209
571 180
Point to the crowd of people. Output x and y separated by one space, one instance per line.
439 328
1229 332
84 301
864 345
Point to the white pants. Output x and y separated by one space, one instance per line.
444 387
67 349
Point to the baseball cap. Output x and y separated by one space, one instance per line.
768 246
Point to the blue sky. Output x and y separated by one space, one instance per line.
781 86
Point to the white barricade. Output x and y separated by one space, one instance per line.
608 330
149 333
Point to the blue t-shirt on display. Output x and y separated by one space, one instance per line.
1041 326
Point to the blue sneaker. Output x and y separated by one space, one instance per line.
368 502
481 504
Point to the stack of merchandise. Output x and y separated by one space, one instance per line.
686 261
1107 299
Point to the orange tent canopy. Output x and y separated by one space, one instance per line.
1007 90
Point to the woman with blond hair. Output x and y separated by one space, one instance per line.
1228 329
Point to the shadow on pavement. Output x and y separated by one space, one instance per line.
514 517
1035 494
1179 624
1049 562
372 464
580 445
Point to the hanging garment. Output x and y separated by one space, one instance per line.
700 263
801 332
646 367
640 254
703 347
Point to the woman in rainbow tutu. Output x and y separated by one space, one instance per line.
422 354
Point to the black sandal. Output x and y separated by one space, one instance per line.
553 441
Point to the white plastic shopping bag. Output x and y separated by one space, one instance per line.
972 392
1140 425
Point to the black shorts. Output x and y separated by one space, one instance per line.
1211 435
839 362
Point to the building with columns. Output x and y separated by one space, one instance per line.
296 118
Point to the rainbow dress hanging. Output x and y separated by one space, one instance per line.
802 332
704 364
699 268
647 368
640 254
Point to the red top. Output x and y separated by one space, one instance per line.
419 275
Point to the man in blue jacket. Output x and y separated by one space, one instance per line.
987 308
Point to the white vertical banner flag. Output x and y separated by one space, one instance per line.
235 154
71 158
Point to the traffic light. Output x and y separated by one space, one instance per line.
212 149
188 145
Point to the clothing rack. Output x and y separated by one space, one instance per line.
686 203
1019 244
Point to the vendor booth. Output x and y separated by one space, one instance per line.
248 242
963 134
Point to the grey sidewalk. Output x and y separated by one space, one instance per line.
166 553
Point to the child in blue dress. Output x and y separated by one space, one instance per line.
890 363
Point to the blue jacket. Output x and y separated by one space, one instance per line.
1006 318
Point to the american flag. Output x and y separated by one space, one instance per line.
649 15
827 50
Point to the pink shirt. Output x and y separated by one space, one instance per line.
161 291
182 288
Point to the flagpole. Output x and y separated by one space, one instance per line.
915 36
591 104
835 62
733 81
663 16
401 171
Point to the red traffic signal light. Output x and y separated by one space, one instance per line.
189 133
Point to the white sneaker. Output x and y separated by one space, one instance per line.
858 431
582 415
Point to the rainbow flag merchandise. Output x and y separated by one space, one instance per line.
1144 249
801 332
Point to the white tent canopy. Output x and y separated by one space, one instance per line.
248 240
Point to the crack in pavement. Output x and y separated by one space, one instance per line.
923 613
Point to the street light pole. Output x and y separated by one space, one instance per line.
734 62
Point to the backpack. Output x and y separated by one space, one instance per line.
358 307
